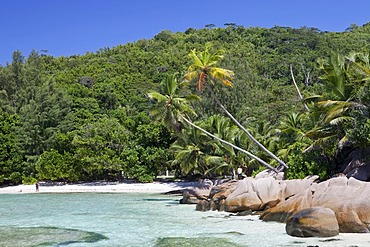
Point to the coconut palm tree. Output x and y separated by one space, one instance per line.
173 110
189 153
228 158
230 144
170 105
342 76
203 69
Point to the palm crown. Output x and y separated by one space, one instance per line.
171 105
204 68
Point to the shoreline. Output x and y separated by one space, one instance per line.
100 187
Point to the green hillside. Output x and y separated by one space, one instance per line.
88 117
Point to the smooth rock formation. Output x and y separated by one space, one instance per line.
347 198
263 193
209 195
313 222
269 173
193 195
219 194
282 211
242 198
295 186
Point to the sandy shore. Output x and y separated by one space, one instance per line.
100 187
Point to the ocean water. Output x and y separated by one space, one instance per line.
98 219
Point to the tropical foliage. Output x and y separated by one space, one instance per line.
89 117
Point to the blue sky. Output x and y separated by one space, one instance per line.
68 27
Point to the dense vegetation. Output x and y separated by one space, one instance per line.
89 117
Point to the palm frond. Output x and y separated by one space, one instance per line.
216 168
192 97
340 120
157 96
191 74
312 98
194 57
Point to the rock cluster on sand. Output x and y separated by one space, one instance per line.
315 221
309 208
348 198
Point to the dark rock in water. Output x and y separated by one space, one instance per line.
332 240
215 192
235 233
45 236
203 205
193 195
206 241
173 192
245 213
313 222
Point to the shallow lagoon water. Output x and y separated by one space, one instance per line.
98 219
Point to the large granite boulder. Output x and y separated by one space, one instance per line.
264 193
313 222
269 191
295 186
254 194
195 194
347 198
219 194
209 194
282 211
269 173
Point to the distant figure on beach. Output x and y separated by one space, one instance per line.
37 186
240 173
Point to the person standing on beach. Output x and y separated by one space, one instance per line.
37 186
240 173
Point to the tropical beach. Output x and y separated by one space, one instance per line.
206 129
100 187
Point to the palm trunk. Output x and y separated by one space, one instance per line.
247 132
296 87
230 144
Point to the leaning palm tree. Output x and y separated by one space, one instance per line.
193 152
174 110
170 106
205 71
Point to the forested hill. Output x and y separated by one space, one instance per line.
87 117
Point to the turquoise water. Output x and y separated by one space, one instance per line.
93 219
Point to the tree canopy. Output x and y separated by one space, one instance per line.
89 117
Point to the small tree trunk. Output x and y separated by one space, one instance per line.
296 87
247 132
230 144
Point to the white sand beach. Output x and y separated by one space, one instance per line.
100 187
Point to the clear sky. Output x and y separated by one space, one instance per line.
68 27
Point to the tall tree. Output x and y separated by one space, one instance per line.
173 104
204 70
333 110
10 154
171 107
